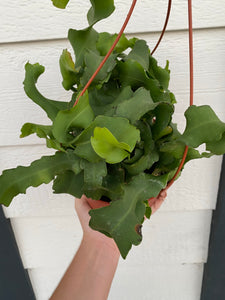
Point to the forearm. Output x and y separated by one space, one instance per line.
90 273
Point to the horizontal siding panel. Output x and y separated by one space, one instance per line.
131 282
191 191
16 108
54 23
168 238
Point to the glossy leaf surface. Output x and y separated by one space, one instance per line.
119 127
107 146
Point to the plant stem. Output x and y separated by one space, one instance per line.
164 27
191 84
110 50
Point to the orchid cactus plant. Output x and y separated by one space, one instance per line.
119 142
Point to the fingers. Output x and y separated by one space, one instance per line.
82 204
156 202
163 194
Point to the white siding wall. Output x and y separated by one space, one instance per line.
168 265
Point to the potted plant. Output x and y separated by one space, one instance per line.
115 140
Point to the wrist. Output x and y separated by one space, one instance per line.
102 244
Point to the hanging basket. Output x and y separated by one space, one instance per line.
115 139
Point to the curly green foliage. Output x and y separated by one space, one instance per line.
99 9
16 181
125 216
119 142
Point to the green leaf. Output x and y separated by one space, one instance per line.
69 183
140 54
92 61
100 10
66 121
162 75
149 155
93 177
218 147
133 74
119 127
135 107
148 210
106 40
107 147
122 219
163 115
51 107
42 131
60 3
69 73
16 181
104 101
144 163
82 41
54 144
112 186
167 163
176 149
203 126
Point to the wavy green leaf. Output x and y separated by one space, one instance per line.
100 10
123 218
218 147
69 73
69 183
140 53
119 127
60 3
107 146
92 61
67 121
16 181
176 149
134 108
106 40
51 107
203 126
105 101
161 74
148 156
133 74
93 178
163 116
42 131
82 41
112 185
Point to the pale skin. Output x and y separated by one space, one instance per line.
92 269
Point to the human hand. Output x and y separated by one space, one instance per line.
82 206
156 202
